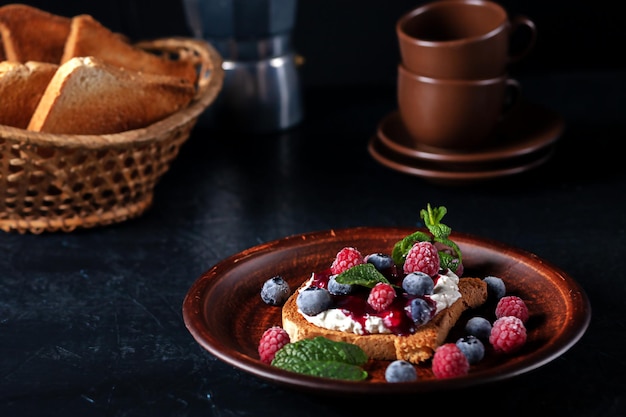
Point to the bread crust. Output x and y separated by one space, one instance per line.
88 96
415 348
30 34
21 88
88 37
75 76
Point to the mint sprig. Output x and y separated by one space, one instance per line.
323 357
439 232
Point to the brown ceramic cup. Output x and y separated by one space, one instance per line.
454 114
463 39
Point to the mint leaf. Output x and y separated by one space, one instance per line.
446 260
452 245
439 232
324 369
323 349
364 274
322 357
432 219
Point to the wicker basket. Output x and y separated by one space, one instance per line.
53 182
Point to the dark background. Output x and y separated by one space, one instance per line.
353 41
90 321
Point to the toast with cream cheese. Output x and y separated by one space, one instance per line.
415 348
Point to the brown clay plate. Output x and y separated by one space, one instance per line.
224 312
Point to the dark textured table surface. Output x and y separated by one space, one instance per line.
91 322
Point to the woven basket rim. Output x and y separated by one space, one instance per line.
209 84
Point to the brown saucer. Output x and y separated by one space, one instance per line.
529 128
451 174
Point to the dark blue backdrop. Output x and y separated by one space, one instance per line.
353 41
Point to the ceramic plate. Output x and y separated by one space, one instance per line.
224 312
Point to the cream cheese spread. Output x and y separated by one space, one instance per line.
445 293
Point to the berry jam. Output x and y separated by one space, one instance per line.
396 317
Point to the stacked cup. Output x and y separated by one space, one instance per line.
453 84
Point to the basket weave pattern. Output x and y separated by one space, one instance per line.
52 182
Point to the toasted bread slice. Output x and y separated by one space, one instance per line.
88 37
31 34
89 96
21 88
415 348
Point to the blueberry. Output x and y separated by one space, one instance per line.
472 348
400 371
419 311
495 287
313 300
275 291
380 261
336 288
479 327
418 283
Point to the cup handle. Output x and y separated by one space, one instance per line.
523 30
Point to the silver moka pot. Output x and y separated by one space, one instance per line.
261 91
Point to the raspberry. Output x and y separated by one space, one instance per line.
422 257
508 334
272 340
512 305
381 296
346 258
449 361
